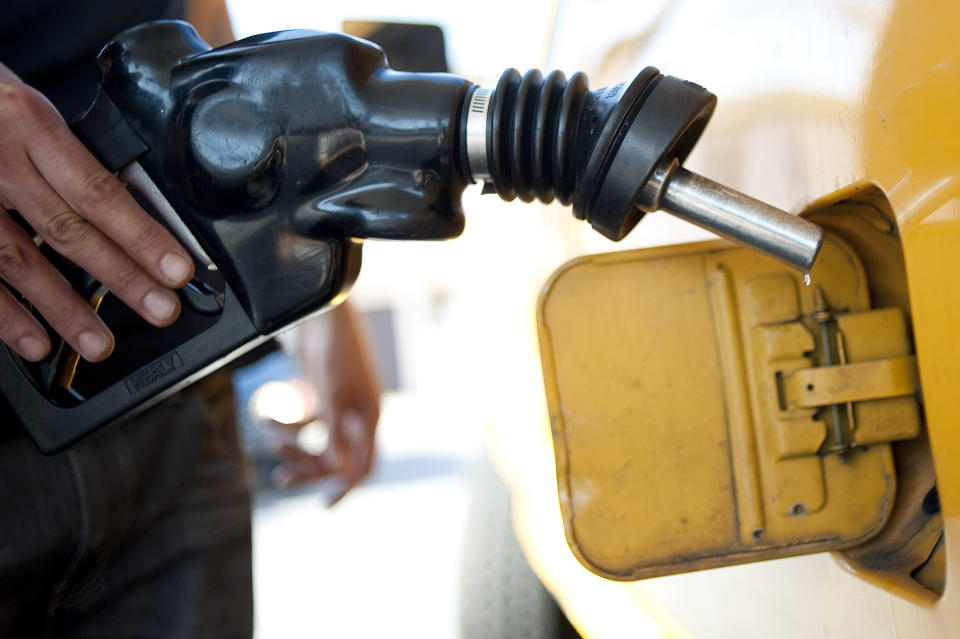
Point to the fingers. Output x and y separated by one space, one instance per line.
84 244
25 269
341 494
301 467
98 197
348 457
83 212
353 439
20 330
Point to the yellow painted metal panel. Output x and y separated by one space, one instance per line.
674 451
624 402
911 148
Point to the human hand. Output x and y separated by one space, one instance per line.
334 354
83 212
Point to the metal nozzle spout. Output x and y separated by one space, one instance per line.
731 214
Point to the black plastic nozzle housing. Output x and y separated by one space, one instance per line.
278 154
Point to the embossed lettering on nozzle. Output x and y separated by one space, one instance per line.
731 214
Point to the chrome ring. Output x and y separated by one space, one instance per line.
477 134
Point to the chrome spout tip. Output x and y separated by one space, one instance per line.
731 214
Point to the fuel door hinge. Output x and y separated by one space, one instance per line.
865 386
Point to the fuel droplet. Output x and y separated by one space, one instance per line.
806 279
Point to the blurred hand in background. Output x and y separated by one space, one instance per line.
335 357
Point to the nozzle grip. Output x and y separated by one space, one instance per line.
53 425
106 133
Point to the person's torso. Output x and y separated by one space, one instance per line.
53 45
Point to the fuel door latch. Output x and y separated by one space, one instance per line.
866 384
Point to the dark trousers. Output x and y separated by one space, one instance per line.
140 530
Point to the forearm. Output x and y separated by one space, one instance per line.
212 21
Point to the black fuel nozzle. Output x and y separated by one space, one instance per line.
615 154
272 158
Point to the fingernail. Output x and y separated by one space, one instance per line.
175 268
160 305
92 345
31 348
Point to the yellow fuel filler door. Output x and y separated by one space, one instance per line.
709 408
